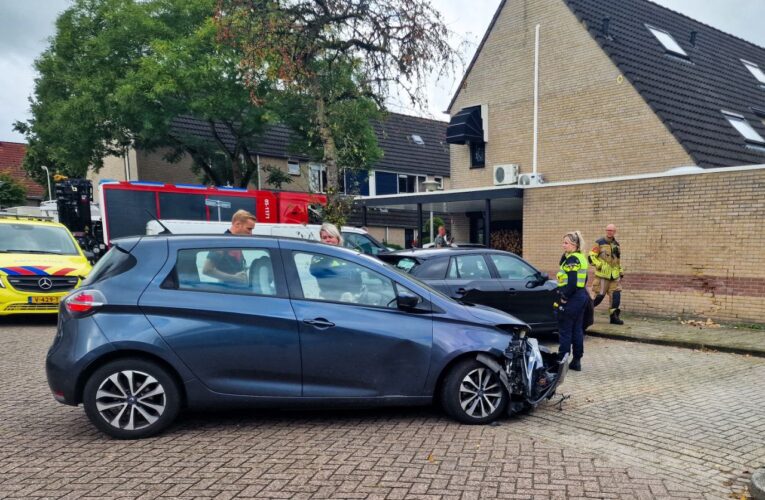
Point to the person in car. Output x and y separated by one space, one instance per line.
572 298
229 266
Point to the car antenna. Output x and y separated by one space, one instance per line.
165 230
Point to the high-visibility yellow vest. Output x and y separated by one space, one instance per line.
606 257
580 267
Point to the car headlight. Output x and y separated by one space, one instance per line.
2 285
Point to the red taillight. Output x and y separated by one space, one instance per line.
84 302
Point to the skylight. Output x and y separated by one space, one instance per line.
667 41
417 140
743 127
756 71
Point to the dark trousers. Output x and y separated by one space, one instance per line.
571 324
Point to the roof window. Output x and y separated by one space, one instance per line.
755 70
743 127
417 139
667 41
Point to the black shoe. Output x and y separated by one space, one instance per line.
615 319
575 365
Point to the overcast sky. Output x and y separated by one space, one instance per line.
27 25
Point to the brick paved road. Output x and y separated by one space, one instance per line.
642 422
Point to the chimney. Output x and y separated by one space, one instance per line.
693 37
604 28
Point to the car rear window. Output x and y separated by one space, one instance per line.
115 262
406 264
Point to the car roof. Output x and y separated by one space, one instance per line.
429 253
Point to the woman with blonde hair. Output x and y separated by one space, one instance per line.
572 298
330 235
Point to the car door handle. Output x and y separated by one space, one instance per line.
320 323
461 291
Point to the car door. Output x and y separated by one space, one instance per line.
470 280
527 297
355 341
238 335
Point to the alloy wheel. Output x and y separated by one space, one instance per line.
480 393
130 400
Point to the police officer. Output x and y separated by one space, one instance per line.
572 298
605 256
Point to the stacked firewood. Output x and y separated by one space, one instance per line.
509 240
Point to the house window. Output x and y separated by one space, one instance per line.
755 70
317 180
410 183
477 154
667 41
744 128
417 139
293 167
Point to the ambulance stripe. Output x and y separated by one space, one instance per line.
20 271
38 270
64 271
9 271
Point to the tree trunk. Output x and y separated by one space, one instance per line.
328 143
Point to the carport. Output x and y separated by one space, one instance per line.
483 204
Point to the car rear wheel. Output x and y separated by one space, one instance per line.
473 394
131 398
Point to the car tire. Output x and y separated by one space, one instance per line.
131 398
473 394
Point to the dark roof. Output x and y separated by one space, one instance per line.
689 94
429 253
394 136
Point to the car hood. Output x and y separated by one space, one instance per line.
21 264
490 316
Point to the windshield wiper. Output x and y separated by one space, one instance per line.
13 250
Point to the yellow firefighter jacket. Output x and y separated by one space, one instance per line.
605 257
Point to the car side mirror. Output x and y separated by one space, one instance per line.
89 255
543 278
539 280
407 301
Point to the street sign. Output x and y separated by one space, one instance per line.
217 203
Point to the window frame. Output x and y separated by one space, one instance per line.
290 165
756 71
495 268
674 47
745 127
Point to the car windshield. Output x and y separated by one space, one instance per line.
432 290
32 238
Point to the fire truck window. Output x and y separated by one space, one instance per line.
237 203
182 206
126 211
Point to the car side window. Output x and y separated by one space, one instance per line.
433 269
511 267
359 242
468 267
229 270
323 277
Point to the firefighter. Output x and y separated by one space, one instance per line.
605 257
572 298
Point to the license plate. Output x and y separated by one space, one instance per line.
43 300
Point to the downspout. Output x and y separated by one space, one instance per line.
126 161
257 168
536 99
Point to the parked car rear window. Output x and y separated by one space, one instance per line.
115 262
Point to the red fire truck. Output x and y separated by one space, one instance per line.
126 207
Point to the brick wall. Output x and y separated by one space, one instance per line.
11 160
692 245
592 122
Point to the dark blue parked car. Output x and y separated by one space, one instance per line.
290 322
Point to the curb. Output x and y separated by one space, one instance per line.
757 489
678 343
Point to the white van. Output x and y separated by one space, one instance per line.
353 237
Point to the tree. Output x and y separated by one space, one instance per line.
119 72
11 192
337 55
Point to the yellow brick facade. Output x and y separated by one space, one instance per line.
592 122
693 243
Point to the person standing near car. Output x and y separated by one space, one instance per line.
572 298
441 241
228 265
606 257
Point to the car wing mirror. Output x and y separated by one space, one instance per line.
407 301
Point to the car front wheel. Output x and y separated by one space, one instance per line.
473 394
131 398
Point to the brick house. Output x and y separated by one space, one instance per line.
414 150
645 118
11 159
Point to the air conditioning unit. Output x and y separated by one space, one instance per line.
530 179
505 174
